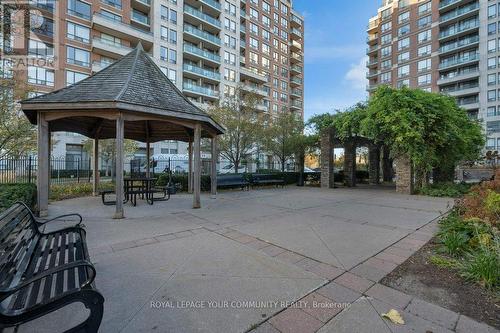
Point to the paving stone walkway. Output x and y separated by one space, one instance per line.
270 260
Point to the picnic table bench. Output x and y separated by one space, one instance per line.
41 272
232 181
268 179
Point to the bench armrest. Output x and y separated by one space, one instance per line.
78 224
4 293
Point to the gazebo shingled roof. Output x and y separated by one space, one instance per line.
135 84
130 99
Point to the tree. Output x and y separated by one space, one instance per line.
17 135
284 137
243 123
429 128
107 150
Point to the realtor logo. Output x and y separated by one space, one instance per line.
28 36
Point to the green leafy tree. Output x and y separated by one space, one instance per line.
429 128
17 135
243 123
284 137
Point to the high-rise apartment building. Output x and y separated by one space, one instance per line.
210 49
447 46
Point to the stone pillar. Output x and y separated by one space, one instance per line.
120 137
386 165
42 178
374 164
350 164
327 178
197 166
213 169
404 175
95 182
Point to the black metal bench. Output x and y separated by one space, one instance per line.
233 181
41 272
268 179
104 200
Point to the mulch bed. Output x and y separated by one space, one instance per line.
419 277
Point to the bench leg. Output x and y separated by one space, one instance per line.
94 302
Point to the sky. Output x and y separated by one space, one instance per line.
335 52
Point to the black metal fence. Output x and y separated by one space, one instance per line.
74 170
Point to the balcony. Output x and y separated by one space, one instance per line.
255 89
460 12
197 53
295 57
295 46
243 14
243 44
372 39
209 6
296 105
198 90
295 69
243 29
458 45
109 48
372 62
296 33
201 35
142 5
373 24
459 61
448 4
201 72
372 49
296 93
456 77
296 21
461 29
462 91
140 19
247 74
199 17
295 81
122 30
371 74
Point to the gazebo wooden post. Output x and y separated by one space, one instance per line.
119 167
95 181
43 165
148 155
213 169
190 166
197 165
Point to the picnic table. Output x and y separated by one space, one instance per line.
142 187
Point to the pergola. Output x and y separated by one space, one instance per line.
130 99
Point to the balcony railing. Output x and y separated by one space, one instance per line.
296 80
212 3
124 25
202 34
296 19
296 68
460 11
119 45
202 53
296 92
458 61
455 30
140 18
201 71
458 44
296 56
202 16
296 32
445 3
200 89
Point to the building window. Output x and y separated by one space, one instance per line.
491 111
424 21
424 50
424 36
78 32
404 71
424 65
404 57
77 56
424 79
74 77
172 75
492 28
79 8
492 11
385 77
404 17
426 7
172 56
41 76
492 79
492 95
492 63
45 25
40 49
404 43
386 26
405 29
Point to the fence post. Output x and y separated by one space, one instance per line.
29 169
78 170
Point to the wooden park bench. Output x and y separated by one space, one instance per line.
41 272
233 181
268 179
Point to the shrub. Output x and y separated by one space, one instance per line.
451 190
75 190
454 243
10 193
482 265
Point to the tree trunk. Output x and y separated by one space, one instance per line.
236 166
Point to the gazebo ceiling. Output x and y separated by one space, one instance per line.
152 106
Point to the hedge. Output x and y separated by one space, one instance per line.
182 180
10 193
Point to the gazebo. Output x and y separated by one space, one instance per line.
130 99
